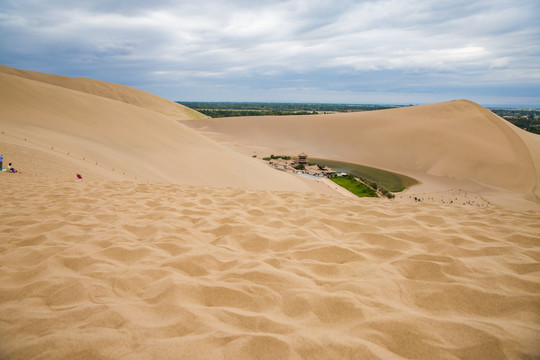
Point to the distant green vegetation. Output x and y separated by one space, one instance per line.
273 157
355 186
392 181
526 119
377 187
229 109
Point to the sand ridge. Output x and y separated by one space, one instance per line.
122 93
143 270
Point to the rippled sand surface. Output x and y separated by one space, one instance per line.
127 270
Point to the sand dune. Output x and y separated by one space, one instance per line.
89 129
127 270
455 140
174 246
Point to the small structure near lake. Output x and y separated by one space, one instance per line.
302 159
285 163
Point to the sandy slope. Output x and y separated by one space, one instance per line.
129 139
175 264
125 270
453 140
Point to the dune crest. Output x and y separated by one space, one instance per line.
126 94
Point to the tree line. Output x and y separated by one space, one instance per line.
528 120
229 109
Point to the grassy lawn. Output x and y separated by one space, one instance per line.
355 186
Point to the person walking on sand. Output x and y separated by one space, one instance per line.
1 161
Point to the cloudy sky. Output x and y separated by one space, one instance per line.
346 51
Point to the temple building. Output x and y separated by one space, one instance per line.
302 159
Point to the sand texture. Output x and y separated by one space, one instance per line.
120 270
177 244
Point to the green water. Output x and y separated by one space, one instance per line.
392 181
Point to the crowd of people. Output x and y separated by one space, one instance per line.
449 197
